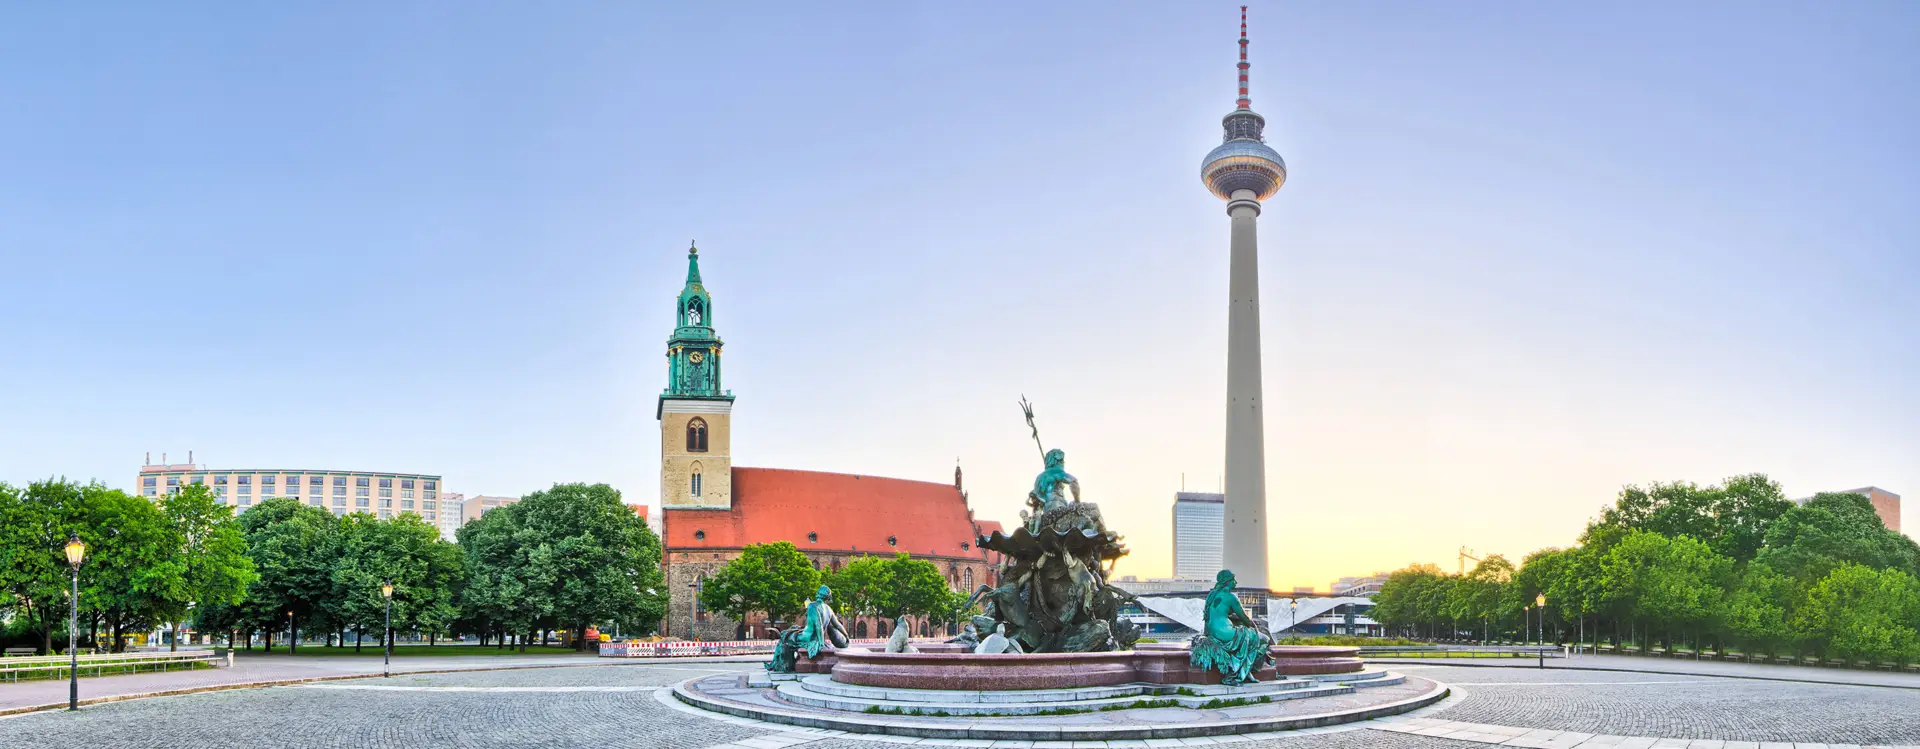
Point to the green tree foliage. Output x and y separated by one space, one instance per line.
592 559
1860 614
425 572
1479 599
135 574
1672 584
212 550
1755 616
1808 542
1732 518
774 578
892 588
1414 601
34 526
498 597
294 548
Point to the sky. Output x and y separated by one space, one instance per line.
1526 253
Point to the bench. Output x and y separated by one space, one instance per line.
20 652
59 666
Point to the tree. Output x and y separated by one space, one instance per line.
406 552
134 576
1537 573
1809 541
34 525
1673 583
892 588
594 560
498 597
773 578
294 548
1480 596
212 550
1861 614
1755 615
1732 518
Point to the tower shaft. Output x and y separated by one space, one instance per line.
1244 547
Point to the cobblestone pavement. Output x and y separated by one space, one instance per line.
1645 664
412 717
615 706
1679 706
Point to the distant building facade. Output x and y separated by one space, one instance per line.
480 504
1199 530
450 521
385 495
1363 587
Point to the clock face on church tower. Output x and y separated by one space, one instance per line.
696 357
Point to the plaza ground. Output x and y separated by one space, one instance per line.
592 704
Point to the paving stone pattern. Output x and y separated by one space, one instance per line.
418 717
307 718
1700 708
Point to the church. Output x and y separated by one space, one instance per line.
711 509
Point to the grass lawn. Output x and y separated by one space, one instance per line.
409 651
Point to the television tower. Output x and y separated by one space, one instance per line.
1243 171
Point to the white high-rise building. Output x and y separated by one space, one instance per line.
1243 171
1198 518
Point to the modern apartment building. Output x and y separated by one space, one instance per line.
480 504
373 492
450 520
1199 530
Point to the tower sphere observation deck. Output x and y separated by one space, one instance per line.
1243 161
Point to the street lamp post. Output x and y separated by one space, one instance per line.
76 552
386 661
1540 624
1293 616
290 637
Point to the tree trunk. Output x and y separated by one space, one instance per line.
580 639
293 635
174 646
358 635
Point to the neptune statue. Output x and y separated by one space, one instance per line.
1053 595
1232 643
821 629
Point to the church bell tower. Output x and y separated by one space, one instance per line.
696 465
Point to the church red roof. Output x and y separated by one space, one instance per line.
844 512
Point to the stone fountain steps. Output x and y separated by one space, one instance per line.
821 684
822 693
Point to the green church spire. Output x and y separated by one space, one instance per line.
693 352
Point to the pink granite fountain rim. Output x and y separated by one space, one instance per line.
969 671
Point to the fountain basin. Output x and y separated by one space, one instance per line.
1149 664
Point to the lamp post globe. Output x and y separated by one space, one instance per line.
76 553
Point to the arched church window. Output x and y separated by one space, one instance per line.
966 576
695 311
860 629
694 483
697 436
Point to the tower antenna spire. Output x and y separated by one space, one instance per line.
1244 102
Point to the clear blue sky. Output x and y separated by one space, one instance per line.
1527 253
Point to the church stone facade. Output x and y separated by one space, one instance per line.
712 509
